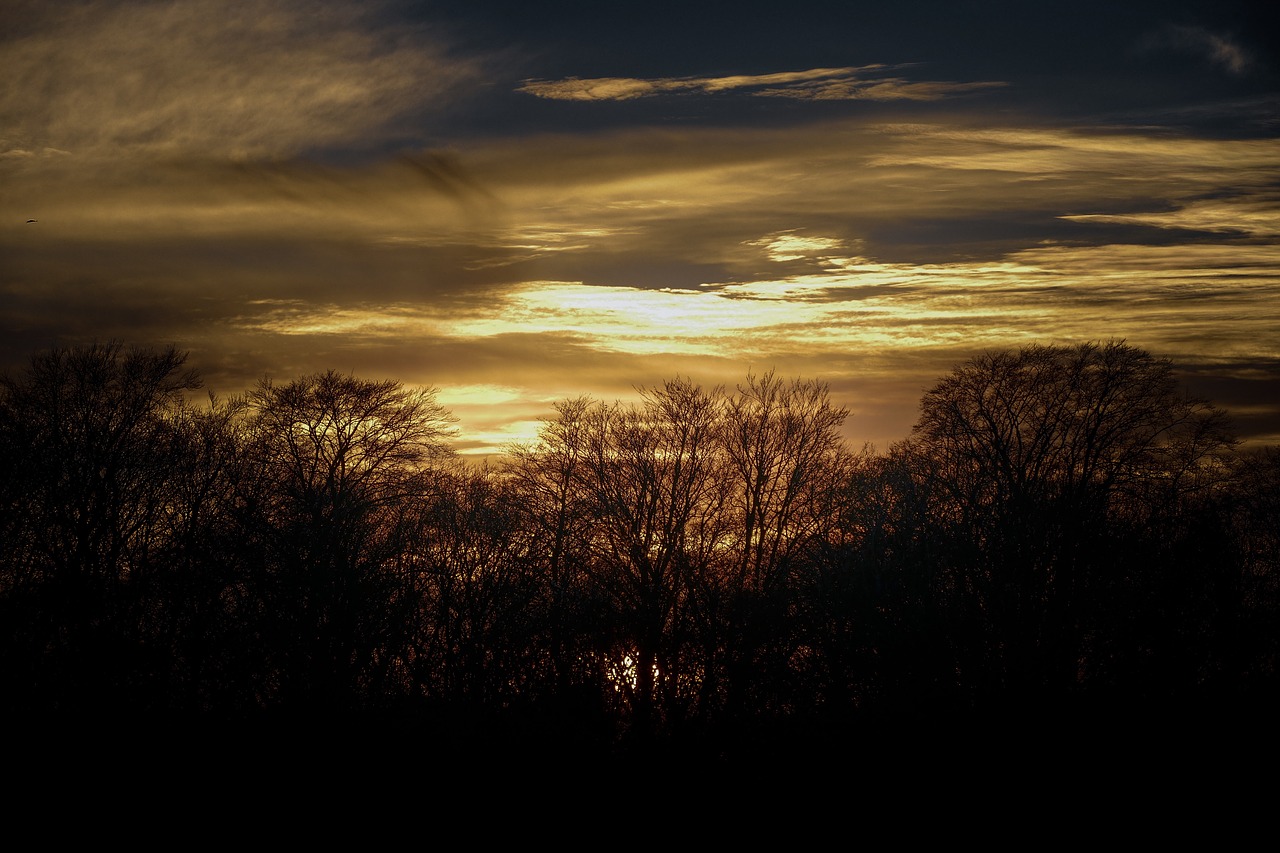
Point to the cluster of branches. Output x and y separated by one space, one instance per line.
1064 532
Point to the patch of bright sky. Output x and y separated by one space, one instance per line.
866 304
861 303
488 440
486 409
1067 291
627 319
793 247
470 395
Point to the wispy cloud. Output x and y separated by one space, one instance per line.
248 78
866 82
1218 49
874 253
888 89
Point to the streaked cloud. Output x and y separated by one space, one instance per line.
818 84
240 79
1255 216
514 272
889 89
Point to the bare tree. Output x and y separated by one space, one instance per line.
548 477
85 429
784 463
1252 599
87 437
784 451
475 637
651 481
1041 451
339 462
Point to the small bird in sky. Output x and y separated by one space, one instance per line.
30 220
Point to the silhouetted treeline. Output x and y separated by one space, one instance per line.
1064 535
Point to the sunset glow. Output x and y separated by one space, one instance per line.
689 391
299 188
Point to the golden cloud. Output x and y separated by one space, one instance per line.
242 79
850 83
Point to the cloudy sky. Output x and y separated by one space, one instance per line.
520 202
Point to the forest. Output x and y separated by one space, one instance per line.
1066 538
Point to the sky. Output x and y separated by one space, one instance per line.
517 203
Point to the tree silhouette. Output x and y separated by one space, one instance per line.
1041 453
650 480
338 465
88 440
549 480
1251 594
475 638
784 463
713 574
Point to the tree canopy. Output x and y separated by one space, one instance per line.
1065 530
